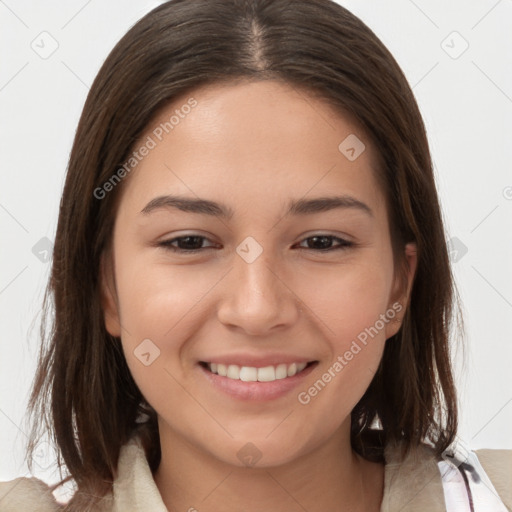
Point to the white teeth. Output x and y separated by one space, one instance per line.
233 371
252 374
248 374
266 374
281 371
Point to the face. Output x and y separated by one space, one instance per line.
286 283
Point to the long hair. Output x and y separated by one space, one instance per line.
83 394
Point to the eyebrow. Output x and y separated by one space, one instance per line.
214 209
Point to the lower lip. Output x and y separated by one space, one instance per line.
256 391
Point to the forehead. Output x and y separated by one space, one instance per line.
257 143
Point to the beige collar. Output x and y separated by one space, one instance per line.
415 484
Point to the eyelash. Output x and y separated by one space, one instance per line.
166 244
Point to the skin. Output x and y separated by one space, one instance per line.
254 147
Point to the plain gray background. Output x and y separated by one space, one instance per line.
458 60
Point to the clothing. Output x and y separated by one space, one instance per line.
420 483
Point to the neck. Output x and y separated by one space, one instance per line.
332 477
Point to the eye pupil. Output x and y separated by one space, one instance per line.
187 242
325 239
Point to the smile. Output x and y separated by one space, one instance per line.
253 374
270 378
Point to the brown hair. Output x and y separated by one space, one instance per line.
83 389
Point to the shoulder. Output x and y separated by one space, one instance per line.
33 495
497 464
424 481
27 495
412 483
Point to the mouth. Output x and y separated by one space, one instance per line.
256 374
256 384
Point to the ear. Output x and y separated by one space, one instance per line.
109 302
402 289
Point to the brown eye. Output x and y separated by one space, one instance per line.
323 243
187 243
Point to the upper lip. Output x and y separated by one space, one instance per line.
256 361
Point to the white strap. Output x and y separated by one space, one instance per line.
481 490
455 492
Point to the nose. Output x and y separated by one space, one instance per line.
258 297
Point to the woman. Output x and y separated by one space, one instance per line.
295 356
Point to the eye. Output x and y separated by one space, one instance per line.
323 243
194 243
186 244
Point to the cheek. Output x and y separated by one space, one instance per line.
350 307
348 299
166 305
159 307
155 297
